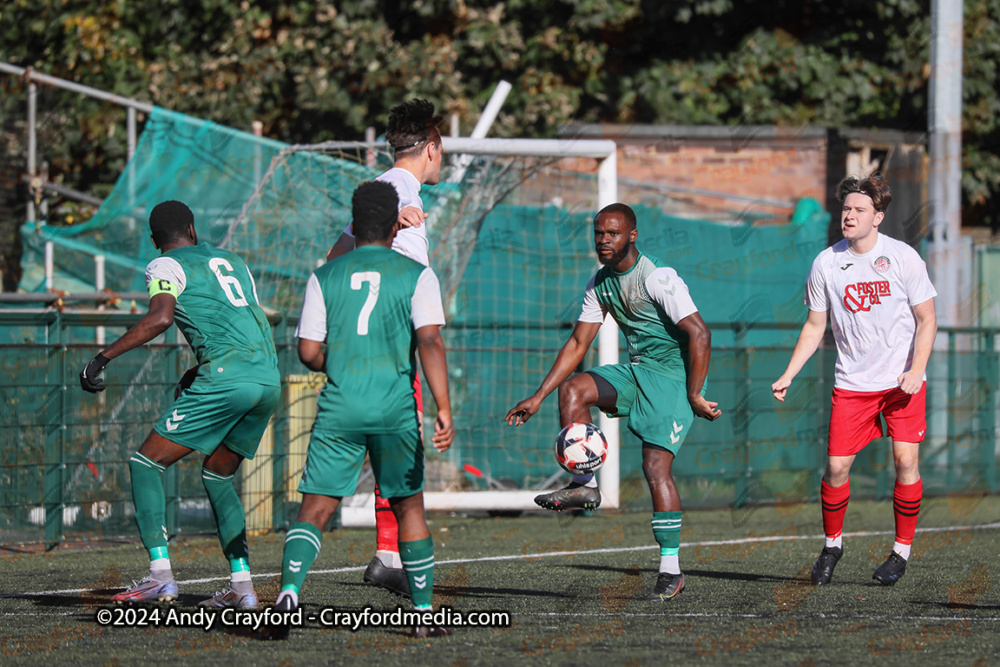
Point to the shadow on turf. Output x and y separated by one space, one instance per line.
708 574
90 601
472 591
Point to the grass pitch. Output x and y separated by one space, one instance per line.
573 587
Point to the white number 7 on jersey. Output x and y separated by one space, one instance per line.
374 279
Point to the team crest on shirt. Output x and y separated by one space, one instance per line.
882 264
862 296
634 297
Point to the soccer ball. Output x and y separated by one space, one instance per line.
581 448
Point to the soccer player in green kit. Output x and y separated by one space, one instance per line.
660 390
212 297
375 307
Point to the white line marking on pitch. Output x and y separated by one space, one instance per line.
550 554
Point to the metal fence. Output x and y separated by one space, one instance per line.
64 453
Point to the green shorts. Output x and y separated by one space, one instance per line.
656 406
234 414
333 463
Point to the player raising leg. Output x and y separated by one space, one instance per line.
669 346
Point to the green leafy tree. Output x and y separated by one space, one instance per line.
311 71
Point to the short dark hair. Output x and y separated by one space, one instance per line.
411 124
169 220
875 186
375 207
624 209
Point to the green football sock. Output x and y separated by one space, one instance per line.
302 544
150 504
229 517
418 561
667 531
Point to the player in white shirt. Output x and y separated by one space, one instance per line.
881 305
413 134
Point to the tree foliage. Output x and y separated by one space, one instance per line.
311 70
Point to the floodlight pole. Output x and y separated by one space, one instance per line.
945 178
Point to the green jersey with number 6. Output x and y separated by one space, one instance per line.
367 305
218 313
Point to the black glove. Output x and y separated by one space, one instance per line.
186 381
88 376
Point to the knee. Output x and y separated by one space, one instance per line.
656 471
907 463
570 395
837 473
319 512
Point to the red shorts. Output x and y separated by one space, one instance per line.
854 418
418 393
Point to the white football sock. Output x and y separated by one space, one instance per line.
288 594
670 564
159 570
390 559
586 480
902 549
239 576
837 541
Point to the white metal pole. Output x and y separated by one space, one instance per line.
370 152
49 249
945 125
607 348
130 126
32 144
99 283
491 111
482 127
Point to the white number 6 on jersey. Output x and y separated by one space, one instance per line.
374 279
230 285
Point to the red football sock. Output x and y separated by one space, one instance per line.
385 524
834 500
906 507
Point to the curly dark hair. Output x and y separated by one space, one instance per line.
875 186
411 124
624 209
375 207
169 220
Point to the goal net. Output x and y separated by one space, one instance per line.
510 240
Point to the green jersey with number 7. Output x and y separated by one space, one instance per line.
218 313
367 304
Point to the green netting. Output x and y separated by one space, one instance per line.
514 261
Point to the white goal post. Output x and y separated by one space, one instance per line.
359 512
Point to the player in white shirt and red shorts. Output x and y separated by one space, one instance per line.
413 134
881 305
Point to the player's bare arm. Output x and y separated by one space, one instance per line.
411 216
809 339
344 245
435 365
153 323
311 355
569 359
923 341
700 353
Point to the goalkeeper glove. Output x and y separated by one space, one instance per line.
88 376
